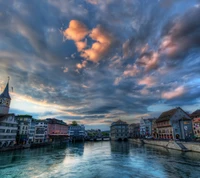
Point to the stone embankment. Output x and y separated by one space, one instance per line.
171 144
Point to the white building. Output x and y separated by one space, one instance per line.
8 130
8 124
41 134
24 125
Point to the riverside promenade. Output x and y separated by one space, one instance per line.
171 144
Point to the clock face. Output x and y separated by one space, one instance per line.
4 101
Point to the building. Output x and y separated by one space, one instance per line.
134 130
146 126
8 130
5 100
8 123
119 130
41 134
96 133
142 128
154 131
196 123
24 126
76 131
174 124
56 129
32 130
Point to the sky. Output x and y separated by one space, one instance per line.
96 61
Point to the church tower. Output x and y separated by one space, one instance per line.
5 100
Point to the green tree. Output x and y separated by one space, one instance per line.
74 123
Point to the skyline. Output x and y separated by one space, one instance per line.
95 62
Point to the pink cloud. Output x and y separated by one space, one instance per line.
173 94
131 71
148 81
117 80
150 61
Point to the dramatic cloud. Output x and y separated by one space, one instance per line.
96 61
182 34
148 81
131 70
76 31
173 94
100 47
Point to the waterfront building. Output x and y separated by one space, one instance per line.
32 130
174 124
41 135
196 123
8 123
134 130
119 130
154 129
24 125
8 130
142 128
146 126
57 129
94 133
76 131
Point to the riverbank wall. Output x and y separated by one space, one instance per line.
171 144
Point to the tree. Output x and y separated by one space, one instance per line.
74 123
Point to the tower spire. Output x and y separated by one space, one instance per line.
5 93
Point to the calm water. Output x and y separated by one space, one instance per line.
99 159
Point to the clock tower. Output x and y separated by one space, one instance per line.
5 100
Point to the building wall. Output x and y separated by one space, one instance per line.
196 127
8 131
119 131
57 129
179 125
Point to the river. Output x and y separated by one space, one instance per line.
99 160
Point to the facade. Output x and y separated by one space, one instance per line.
76 131
154 131
32 130
8 123
134 130
94 133
24 125
119 130
196 123
56 129
41 134
174 124
146 126
8 130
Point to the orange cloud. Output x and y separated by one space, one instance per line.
100 47
81 45
173 94
82 65
131 71
76 31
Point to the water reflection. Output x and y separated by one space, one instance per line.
99 159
